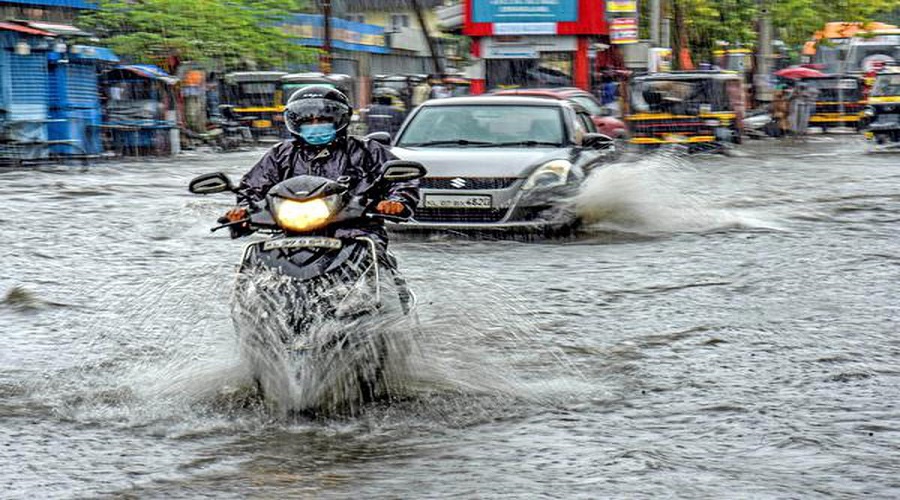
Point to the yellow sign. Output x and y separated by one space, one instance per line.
621 6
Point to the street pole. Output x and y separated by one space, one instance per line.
325 57
655 15
761 90
432 48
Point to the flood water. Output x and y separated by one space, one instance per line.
726 327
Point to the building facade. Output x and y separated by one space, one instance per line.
533 43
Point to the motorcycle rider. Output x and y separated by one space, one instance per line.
318 117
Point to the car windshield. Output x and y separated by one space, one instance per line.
485 125
589 104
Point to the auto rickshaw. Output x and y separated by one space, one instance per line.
403 85
295 81
882 111
839 101
256 97
702 110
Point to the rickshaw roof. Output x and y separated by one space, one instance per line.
691 75
312 76
147 71
254 76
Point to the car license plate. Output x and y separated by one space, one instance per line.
261 123
457 201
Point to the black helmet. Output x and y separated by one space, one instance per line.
317 101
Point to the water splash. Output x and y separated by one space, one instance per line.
653 195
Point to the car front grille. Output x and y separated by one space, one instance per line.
458 215
474 183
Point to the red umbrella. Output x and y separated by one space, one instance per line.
798 72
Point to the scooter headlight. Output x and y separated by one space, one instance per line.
551 174
869 112
307 215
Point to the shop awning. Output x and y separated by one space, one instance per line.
57 29
18 28
149 71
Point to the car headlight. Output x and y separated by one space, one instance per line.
308 215
551 174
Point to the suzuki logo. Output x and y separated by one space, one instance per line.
458 183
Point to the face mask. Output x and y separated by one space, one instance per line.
318 134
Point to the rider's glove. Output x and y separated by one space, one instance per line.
234 215
391 207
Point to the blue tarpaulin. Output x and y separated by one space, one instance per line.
149 71
72 4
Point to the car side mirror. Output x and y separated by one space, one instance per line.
210 183
380 137
597 141
402 170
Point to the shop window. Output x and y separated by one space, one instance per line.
399 21
551 69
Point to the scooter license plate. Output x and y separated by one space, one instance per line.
302 242
261 124
457 201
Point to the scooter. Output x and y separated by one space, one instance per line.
311 309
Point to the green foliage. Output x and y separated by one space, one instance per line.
221 34
795 21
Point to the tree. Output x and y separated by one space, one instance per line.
734 21
223 34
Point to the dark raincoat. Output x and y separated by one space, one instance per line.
360 159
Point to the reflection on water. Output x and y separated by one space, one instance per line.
726 324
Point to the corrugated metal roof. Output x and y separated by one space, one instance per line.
71 4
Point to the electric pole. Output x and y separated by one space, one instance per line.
432 48
325 57
761 90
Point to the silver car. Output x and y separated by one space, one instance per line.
499 163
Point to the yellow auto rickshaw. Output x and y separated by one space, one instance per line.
882 111
839 101
700 109
256 96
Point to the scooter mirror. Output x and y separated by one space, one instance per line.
402 170
210 183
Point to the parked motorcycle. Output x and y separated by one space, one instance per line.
312 308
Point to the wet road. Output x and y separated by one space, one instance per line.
726 328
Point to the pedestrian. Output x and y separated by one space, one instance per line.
382 116
802 106
421 93
438 89
780 113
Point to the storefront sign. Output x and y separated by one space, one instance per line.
309 29
511 53
623 30
525 47
525 29
524 11
621 6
